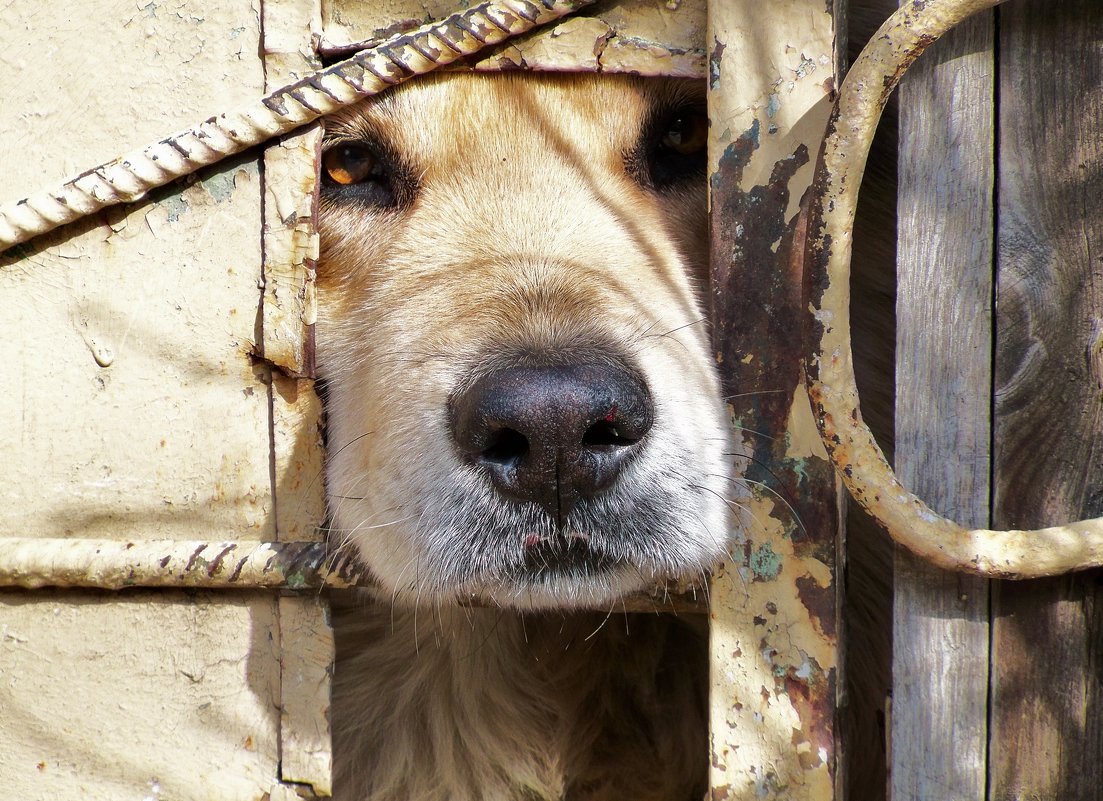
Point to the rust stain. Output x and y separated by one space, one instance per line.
757 311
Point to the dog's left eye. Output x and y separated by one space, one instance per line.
687 133
674 149
358 173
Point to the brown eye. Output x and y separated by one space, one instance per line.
674 148
687 133
350 164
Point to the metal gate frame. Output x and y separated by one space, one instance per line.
775 608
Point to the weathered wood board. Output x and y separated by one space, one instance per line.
138 407
943 409
1000 181
1047 692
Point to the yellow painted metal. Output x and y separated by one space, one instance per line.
642 37
773 622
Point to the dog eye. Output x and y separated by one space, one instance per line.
359 173
350 164
677 147
686 133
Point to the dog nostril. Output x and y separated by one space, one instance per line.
505 447
605 433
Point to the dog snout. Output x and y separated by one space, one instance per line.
552 435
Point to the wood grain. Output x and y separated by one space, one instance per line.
1048 639
944 341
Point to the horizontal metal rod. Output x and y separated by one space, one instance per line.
33 563
117 564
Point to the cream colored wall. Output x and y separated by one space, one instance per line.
135 408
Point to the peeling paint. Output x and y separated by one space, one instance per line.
715 57
764 563
630 36
775 605
175 207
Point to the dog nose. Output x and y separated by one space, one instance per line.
553 435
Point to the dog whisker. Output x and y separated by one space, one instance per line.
754 393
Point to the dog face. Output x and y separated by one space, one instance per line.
521 400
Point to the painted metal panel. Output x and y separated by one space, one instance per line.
646 38
146 695
136 407
141 411
772 69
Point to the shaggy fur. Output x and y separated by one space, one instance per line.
516 220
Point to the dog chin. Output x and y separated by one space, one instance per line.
584 589
544 590
469 545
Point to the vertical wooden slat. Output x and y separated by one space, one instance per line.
1047 735
774 608
944 352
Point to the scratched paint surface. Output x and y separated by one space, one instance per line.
132 406
774 606
135 408
194 715
640 36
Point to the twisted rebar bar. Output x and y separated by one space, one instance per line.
829 366
131 176
33 563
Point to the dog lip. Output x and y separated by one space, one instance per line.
571 554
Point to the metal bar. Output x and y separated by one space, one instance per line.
774 633
117 564
393 61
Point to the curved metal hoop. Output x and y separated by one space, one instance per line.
829 367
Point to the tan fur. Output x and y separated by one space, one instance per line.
528 240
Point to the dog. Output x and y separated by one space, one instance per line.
522 413
524 426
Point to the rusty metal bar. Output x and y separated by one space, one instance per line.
117 564
32 563
393 61
829 367
774 627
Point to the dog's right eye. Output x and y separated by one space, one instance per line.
349 164
355 171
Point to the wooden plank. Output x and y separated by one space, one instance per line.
1048 636
774 612
944 380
